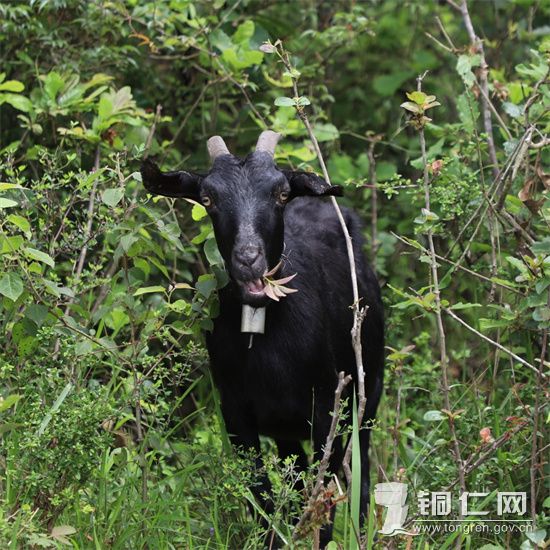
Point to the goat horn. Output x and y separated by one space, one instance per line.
216 146
268 141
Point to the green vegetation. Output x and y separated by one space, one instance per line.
109 425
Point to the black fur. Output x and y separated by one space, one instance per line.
283 387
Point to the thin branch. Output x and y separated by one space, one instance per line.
90 220
471 464
87 235
359 312
477 43
152 130
343 381
374 197
496 344
440 327
418 246
534 442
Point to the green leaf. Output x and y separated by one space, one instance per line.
53 84
36 313
198 212
244 32
20 222
26 346
105 108
517 263
515 111
410 106
417 97
537 536
10 244
206 285
241 58
127 241
284 102
39 256
7 203
461 305
11 286
19 102
464 66
9 401
12 86
433 416
212 252
111 197
468 112
55 407
149 290
326 132
541 247
5 185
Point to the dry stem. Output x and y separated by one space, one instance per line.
534 442
374 198
343 381
359 312
438 309
496 344
483 85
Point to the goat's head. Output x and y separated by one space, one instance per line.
245 199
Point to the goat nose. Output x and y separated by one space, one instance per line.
247 255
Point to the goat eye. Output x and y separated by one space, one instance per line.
206 201
283 196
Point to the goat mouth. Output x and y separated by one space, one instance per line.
255 287
253 292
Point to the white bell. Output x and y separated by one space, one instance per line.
253 319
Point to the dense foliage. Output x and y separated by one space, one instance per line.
110 427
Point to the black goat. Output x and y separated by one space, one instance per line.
283 386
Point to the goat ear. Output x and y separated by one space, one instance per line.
170 184
309 184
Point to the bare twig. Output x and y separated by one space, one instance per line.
471 464
87 234
90 220
496 344
535 94
535 437
152 130
483 84
374 196
359 312
438 309
343 381
418 246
